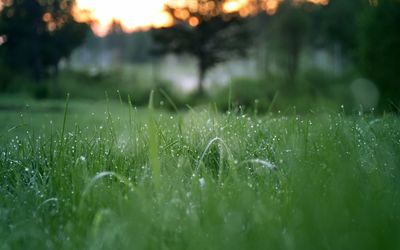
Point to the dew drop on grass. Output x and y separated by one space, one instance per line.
202 182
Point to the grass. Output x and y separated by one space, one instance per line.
123 178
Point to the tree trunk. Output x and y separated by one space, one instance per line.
293 59
37 66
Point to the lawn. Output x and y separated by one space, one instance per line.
105 175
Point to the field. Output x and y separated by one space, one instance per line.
106 175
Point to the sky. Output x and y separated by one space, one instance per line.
132 14
143 14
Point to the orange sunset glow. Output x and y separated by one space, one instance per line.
132 14
136 15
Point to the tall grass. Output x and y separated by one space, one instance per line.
145 179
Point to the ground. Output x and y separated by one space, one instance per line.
105 175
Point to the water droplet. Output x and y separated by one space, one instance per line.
202 182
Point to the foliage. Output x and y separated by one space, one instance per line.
210 38
289 34
38 34
337 24
379 48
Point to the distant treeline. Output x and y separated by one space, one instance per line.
37 35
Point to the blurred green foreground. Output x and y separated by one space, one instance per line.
109 176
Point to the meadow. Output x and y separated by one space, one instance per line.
107 175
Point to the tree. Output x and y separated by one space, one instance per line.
379 47
205 32
289 34
300 24
39 34
336 23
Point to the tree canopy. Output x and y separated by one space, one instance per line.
379 47
38 33
205 33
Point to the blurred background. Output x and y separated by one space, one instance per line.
257 55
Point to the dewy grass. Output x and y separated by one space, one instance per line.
265 163
102 175
124 180
220 166
154 145
64 119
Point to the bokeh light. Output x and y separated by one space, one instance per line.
136 15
